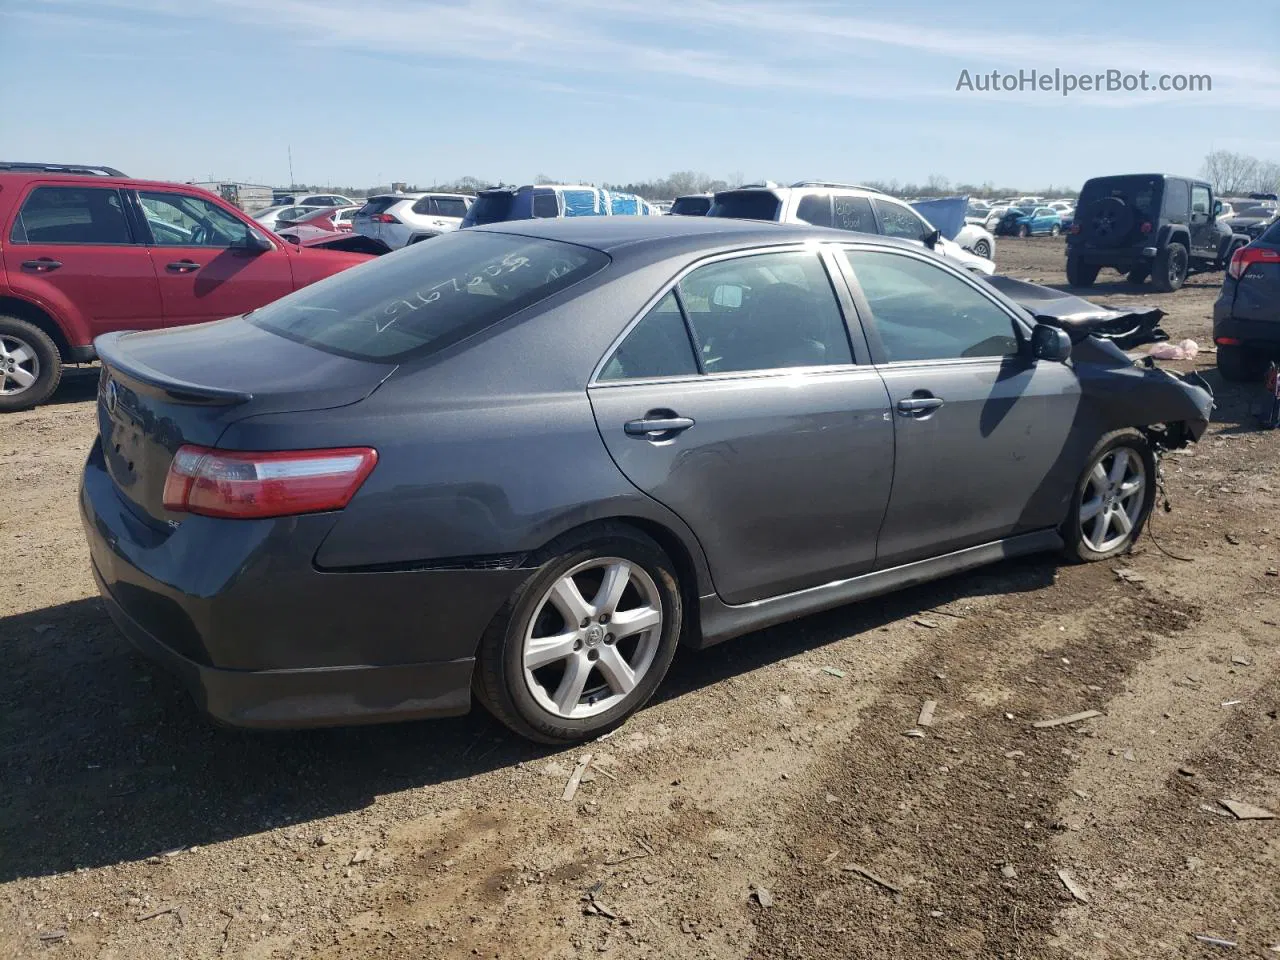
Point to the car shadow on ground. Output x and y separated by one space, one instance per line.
105 759
78 384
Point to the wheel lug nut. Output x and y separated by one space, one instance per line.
577 644
608 638
585 623
593 655
604 618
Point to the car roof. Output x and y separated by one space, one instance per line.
618 235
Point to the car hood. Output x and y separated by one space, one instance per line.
945 213
1126 328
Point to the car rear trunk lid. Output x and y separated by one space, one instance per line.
162 389
1257 295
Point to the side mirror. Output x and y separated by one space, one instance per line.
931 239
254 242
1217 208
1050 343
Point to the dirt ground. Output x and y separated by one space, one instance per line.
724 820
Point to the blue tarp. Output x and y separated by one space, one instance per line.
945 213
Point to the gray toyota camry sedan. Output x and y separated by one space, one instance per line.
526 461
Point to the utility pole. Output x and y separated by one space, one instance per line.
291 181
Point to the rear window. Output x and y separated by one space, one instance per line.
545 204
377 205
427 296
747 205
491 208
1141 193
451 207
691 206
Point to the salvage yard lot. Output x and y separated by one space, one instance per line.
723 820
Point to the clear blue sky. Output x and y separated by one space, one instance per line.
618 90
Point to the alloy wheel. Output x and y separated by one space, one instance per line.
1177 266
19 365
584 656
1112 500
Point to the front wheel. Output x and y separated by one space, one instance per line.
1024 231
983 249
586 640
1054 230
1112 498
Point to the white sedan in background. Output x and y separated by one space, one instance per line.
273 218
977 240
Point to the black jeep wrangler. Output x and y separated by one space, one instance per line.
1148 225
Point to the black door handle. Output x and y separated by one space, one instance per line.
43 265
657 427
918 406
183 266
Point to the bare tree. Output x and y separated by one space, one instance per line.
1230 173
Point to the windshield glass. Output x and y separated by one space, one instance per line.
747 205
428 295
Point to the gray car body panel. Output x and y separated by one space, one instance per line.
490 449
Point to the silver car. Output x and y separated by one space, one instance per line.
401 219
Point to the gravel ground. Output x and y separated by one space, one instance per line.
768 804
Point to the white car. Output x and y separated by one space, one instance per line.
399 219
977 240
844 207
315 200
273 218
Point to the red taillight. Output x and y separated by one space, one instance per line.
1244 256
1145 228
1227 341
383 218
1075 228
281 483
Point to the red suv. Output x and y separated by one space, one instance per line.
87 250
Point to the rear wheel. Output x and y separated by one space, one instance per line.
1169 271
586 640
1139 274
1024 231
1113 498
1239 364
1081 274
30 367
1054 230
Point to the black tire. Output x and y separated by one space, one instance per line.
1240 365
1076 547
44 362
499 681
1169 272
1081 274
1054 230
1139 274
982 249
1024 231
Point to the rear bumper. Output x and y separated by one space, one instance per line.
291 699
1249 332
1126 257
263 638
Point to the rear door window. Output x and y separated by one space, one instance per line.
459 284
854 213
451 207
88 215
657 346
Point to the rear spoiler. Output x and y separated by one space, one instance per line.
143 378
1080 318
